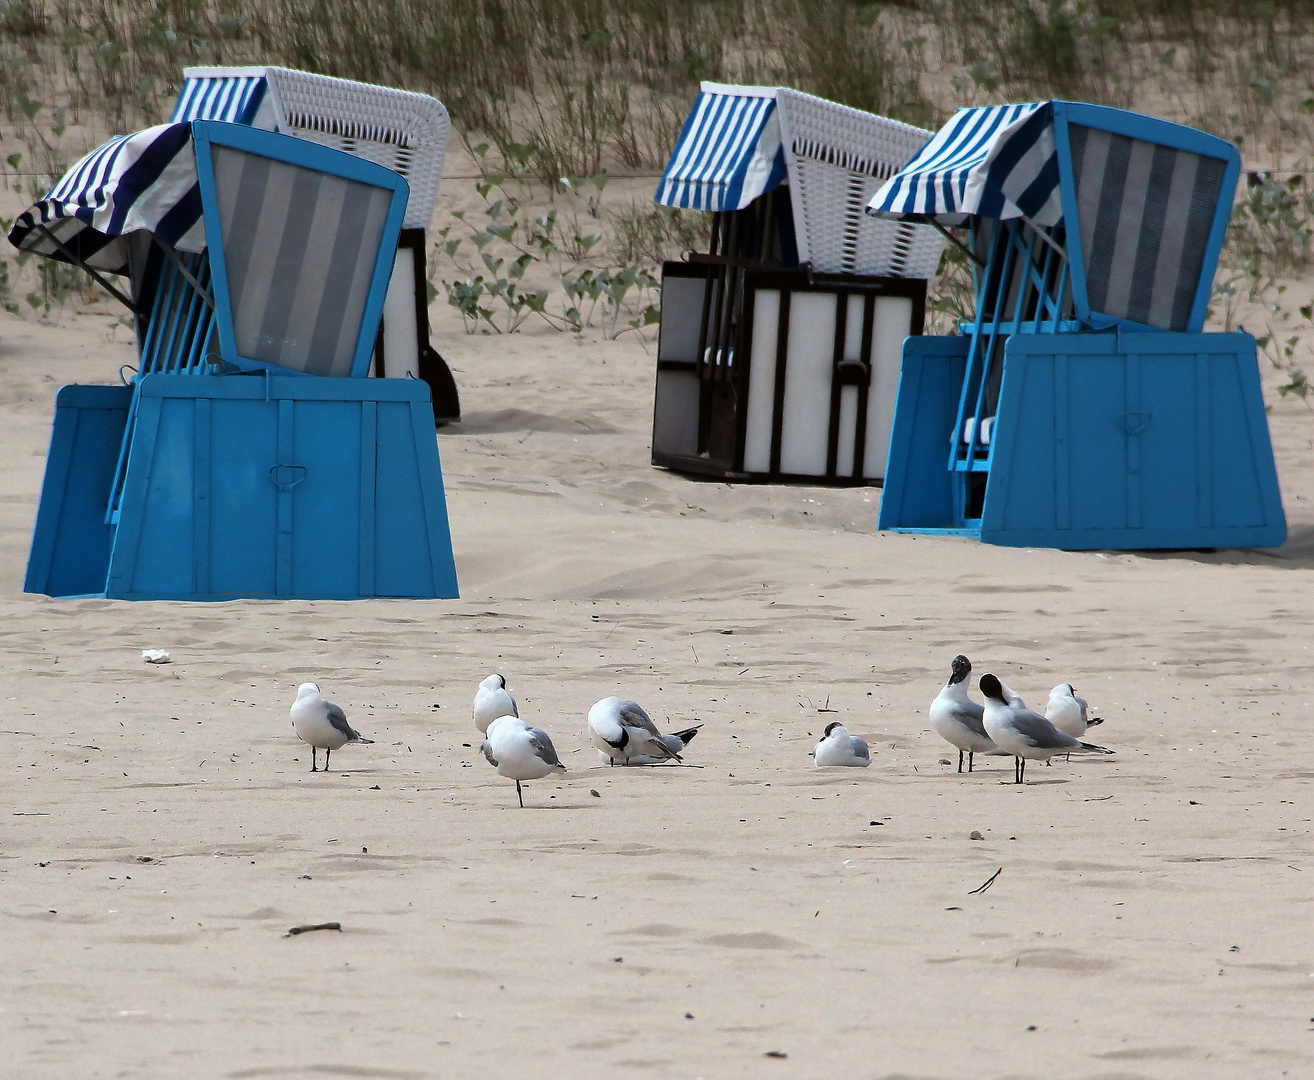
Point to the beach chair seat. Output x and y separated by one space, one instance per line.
778 348
1082 406
251 457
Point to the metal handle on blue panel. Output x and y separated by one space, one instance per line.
1133 423
278 474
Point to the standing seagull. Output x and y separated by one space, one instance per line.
491 701
625 733
956 718
1067 712
321 723
1023 733
519 751
841 748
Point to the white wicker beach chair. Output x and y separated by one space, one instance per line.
837 158
404 131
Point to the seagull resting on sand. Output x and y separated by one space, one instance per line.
841 748
519 751
626 734
1023 733
321 724
491 701
956 718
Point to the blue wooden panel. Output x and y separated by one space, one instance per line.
404 566
282 486
325 538
71 542
244 498
1141 471
919 492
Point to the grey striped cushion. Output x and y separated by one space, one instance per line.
300 248
1145 212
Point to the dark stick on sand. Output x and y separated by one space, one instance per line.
313 926
987 885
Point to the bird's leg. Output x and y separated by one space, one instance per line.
1017 770
960 761
971 754
1023 777
313 767
326 754
519 795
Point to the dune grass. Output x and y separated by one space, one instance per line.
575 87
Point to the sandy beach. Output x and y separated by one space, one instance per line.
747 916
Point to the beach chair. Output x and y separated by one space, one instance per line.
248 457
1082 406
779 347
403 131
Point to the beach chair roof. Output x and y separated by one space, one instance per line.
740 142
399 129
1143 202
300 237
998 161
145 181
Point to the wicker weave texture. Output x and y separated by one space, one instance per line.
403 131
837 159
400 130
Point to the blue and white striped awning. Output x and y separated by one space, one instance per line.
235 97
729 151
998 161
144 181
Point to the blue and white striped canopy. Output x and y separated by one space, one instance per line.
234 97
729 151
997 161
144 181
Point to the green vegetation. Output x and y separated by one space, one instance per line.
576 88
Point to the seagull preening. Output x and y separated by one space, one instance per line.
626 734
841 748
957 719
1023 733
491 700
519 751
1067 712
321 724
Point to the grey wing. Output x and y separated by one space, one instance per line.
339 721
860 748
487 750
1039 732
970 715
633 716
514 710
543 748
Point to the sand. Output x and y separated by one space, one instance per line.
161 830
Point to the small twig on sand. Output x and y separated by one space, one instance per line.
826 707
987 885
314 926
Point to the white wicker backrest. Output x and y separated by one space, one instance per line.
837 158
403 131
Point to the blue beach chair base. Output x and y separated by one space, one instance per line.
256 486
1105 441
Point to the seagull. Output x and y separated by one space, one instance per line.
519 751
1023 733
491 701
841 748
321 723
626 734
956 718
1067 712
